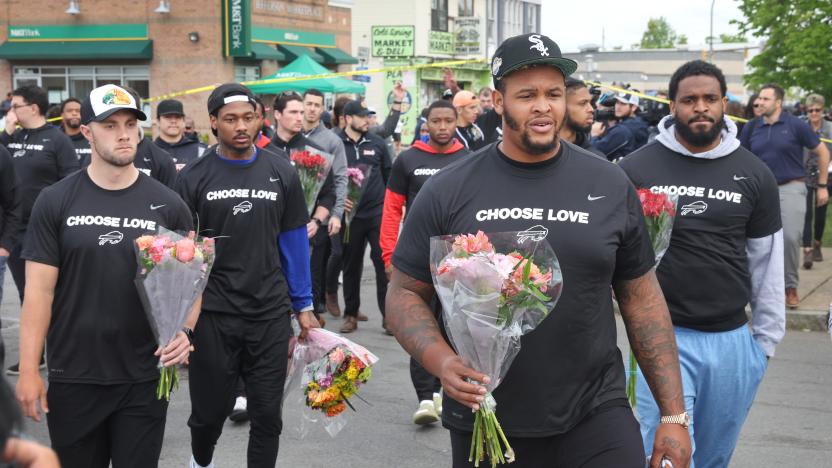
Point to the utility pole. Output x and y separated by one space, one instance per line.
711 37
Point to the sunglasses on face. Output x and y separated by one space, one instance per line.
812 111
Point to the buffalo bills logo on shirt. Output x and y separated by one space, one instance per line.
243 207
534 233
112 237
19 153
697 207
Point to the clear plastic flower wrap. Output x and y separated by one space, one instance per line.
357 178
313 167
173 270
494 288
327 370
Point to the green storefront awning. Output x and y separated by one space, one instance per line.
263 51
77 50
292 52
336 56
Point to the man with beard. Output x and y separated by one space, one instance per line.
579 116
41 155
101 404
410 171
363 150
778 138
251 200
727 235
580 413
172 138
71 125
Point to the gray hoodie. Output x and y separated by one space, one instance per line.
333 145
765 255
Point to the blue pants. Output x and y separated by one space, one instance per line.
720 374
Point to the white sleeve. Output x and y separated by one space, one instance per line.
768 301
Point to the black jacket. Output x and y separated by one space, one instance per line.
326 197
370 151
186 150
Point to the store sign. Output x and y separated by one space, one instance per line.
236 28
393 41
469 35
440 42
87 32
286 8
293 37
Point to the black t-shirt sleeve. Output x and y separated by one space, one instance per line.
296 213
183 189
9 202
66 158
423 221
43 231
765 217
635 255
398 177
166 172
326 197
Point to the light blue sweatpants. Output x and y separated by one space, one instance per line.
720 374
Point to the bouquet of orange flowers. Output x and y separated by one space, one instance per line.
173 272
331 370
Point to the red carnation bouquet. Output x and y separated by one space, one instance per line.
659 213
312 166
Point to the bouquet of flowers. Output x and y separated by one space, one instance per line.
330 369
494 289
356 181
173 272
659 213
313 167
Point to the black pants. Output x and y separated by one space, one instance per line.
334 262
229 347
362 231
819 215
18 268
319 245
89 425
608 438
424 382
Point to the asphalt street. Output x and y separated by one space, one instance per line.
790 424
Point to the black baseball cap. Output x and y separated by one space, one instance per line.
170 107
528 49
228 93
105 101
355 108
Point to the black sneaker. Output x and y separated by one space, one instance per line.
15 369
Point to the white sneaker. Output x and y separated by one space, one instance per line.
240 411
194 464
437 403
426 414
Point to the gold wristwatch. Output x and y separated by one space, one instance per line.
680 419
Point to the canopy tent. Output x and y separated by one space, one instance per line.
306 66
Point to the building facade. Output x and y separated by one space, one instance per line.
404 34
159 47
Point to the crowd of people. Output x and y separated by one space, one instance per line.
544 138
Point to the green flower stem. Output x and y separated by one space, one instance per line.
168 382
488 438
631 381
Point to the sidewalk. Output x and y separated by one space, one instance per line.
815 292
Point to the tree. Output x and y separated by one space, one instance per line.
659 35
732 39
798 43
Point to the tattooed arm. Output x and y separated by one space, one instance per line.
653 343
411 319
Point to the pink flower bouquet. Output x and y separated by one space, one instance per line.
173 272
356 182
494 289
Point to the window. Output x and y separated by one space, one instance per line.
531 20
61 82
439 15
466 7
246 73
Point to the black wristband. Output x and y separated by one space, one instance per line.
189 333
318 221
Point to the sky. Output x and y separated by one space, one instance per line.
624 21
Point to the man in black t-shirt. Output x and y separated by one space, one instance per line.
251 200
71 125
172 138
363 149
579 116
467 131
103 357
410 171
726 250
562 402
